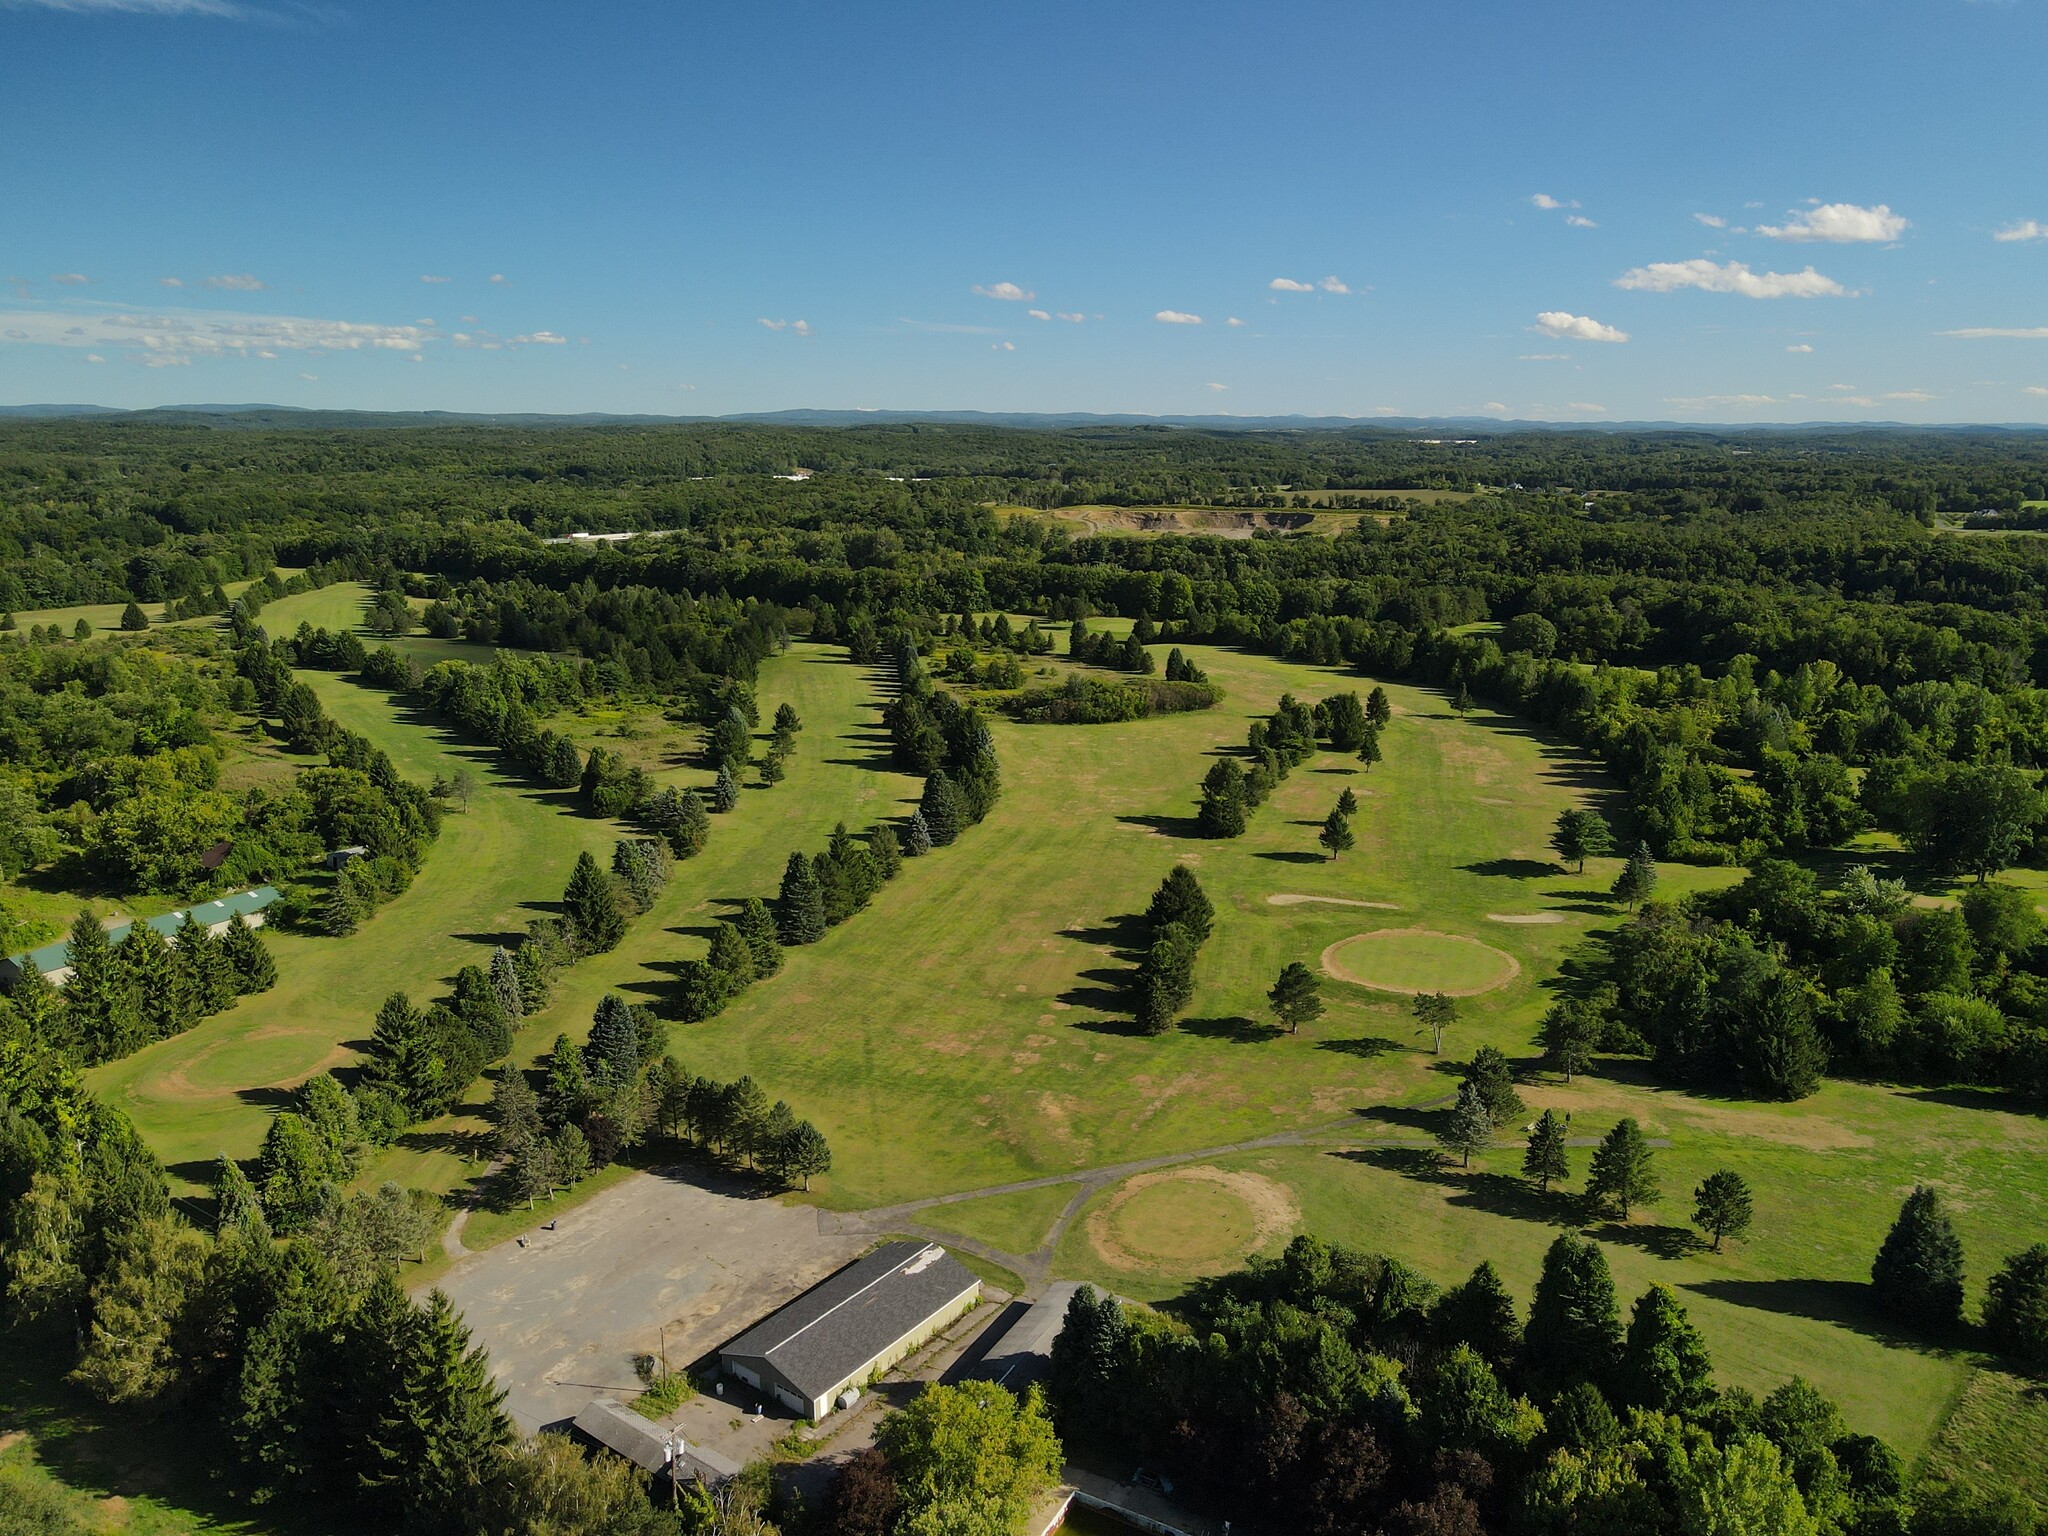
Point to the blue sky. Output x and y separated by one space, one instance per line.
1800 210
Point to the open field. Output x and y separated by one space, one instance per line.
1225 522
106 617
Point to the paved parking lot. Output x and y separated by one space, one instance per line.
564 1316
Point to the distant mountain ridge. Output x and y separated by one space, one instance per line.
261 415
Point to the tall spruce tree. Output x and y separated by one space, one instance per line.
1223 810
1918 1274
249 957
163 991
1378 710
1468 1128
1722 1206
99 998
1545 1158
237 1208
1180 899
1336 836
1297 997
691 829
403 1058
1638 878
1166 979
917 836
505 983
885 850
1622 1176
1479 1314
592 903
944 812
1489 1072
1574 1331
214 983
1664 1362
612 1054
725 790
800 906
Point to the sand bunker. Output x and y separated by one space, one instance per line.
1525 917
1289 899
1420 960
1191 1221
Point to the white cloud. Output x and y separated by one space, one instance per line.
236 282
1009 292
1233 321
1495 406
1177 317
1545 201
2024 229
550 339
1799 346
1583 405
1219 387
1038 314
172 337
2015 332
1580 221
1918 396
797 327
1289 285
1071 317
2035 389
1839 224
1849 389
499 277
1566 326
1544 357
1729 277
1720 402
1333 285
70 279
310 378
1711 220
172 282
94 357
1002 346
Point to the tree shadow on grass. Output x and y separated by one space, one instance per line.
1236 1029
268 1098
1657 1239
1511 869
1408 1118
1112 998
1498 1194
505 940
1365 1047
1126 933
1127 1028
1844 1303
1167 826
1283 857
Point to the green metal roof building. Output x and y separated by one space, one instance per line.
54 959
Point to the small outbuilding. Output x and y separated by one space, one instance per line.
612 1426
846 1330
53 960
1023 1354
339 857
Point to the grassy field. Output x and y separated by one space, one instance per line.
106 617
1016 1223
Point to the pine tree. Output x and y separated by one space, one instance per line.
800 906
294 1171
1918 1273
731 955
1569 1034
236 1205
805 1152
1545 1159
569 1152
1622 1177
1369 750
1574 1331
1664 1362
1638 878
612 1054
1297 997
1488 1071
425 1443
1347 804
1479 1314
1166 979
505 983
592 904
1377 708
163 991
745 1114
1721 1205
1222 812
1461 700
2016 1306
565 764
1180 899
944 814
99 998
725 790
403 1060
1469 1128
249 957
692 826
884 849
917 836
514 1113
211 974
1336 836
133 619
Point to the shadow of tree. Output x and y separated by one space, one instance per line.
1511 869
1845 1303
1127 1028
1284 857
268 1098
1365 1047
1169 826
1239 1030
1657 1239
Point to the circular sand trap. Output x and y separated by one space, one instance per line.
1289 899
1191 1221
1419 960
1525 917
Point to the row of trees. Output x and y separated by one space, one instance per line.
1179 921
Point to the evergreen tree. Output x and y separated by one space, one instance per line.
569 1153
1347 722
566 1091
1347 804
248 956
1481 1315
1336 836
99 998
133 619
805 1153
505 983
1721 1206
1461 700
1569 1034
1469 1128
1369 750
565 764
1086 1369
612 1054
347 906
745 1116
592 904
1488 1071
917 836
692 826
800 906
1180 899
514 1113
331 1114
236 1205
1664 1362
211 974
725 790
942 808
1918 1273
1377 708
1297 997
1545 1159
786 721
403 1060
757 924
1580 835
1222 812
637 880
163 991
1166 979
1780 1055
731 955
1574 1331
1622 1177
884 849
2016 1307
294 1172
1638 878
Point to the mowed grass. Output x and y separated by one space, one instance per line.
1184 1222
496 866
1017 1222
1413 960
969 1030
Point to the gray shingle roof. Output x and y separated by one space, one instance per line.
840 1324
1024 1353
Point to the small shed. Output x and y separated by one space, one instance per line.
1023 1354
852 1326
610 1424
342 856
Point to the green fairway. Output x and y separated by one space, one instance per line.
1414 960
1016 1223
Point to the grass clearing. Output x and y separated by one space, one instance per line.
1413 960
1016 1223
1997 1436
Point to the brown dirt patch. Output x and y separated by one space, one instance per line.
1289 899
1525 917
1271 1206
